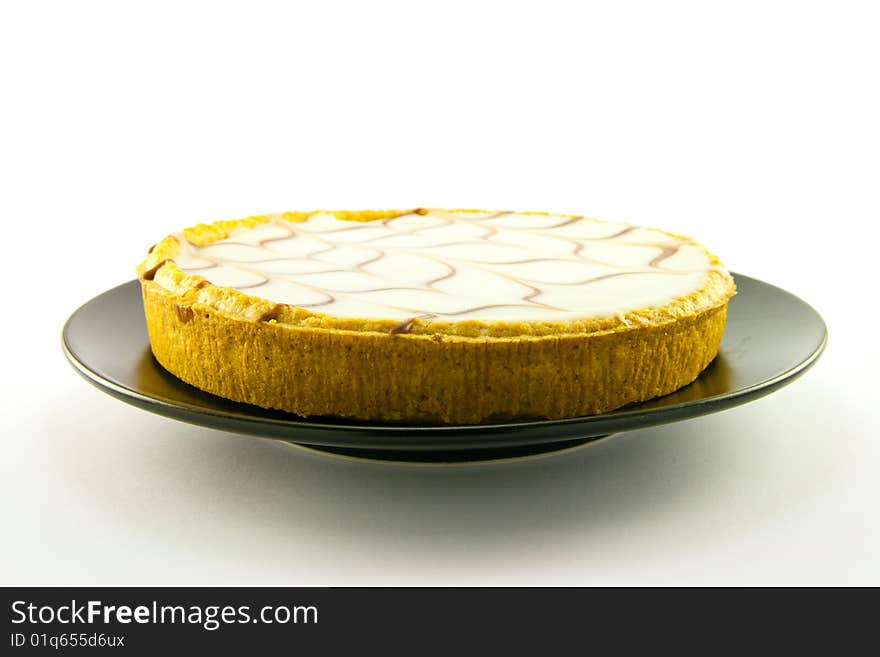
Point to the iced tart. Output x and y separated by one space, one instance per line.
428 315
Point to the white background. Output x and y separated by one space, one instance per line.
751 126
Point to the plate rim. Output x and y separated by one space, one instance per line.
633 416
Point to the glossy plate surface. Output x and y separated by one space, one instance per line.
771 338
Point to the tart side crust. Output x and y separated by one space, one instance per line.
252 350
443 379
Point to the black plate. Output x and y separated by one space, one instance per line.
771 338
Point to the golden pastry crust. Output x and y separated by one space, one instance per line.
253 350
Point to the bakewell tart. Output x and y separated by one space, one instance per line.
433 316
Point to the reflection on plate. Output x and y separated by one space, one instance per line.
771 338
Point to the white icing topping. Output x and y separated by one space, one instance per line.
454 266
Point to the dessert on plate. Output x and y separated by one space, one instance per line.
433 316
